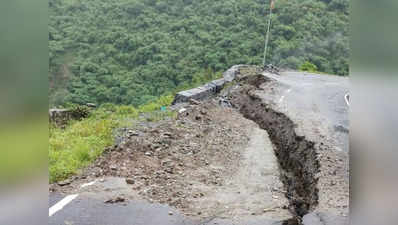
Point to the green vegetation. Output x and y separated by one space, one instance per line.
77 146
81 142
132 51
23 149
309 67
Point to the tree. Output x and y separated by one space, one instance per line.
131 51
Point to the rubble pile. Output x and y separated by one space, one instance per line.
169 162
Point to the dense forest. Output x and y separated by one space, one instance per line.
132 51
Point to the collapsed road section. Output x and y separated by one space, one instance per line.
313 167
300 112
296 155
256 149
209 163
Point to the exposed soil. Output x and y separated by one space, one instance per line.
209 162
254 189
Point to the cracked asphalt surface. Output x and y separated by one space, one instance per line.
316 98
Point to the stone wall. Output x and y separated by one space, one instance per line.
238 71
60 117
215 86
201 92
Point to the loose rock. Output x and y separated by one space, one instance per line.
115 200
130 181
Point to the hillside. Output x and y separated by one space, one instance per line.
132 51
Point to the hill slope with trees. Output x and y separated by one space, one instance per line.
132 51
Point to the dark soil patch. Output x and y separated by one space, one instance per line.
296 155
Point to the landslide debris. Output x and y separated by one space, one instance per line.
176 161
179 161
209 162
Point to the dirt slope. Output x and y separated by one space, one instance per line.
209 162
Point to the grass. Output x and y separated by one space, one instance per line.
158 116
23 149
77 146
81 142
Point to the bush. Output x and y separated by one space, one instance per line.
80 111
309 67
108 107
125 110
156 105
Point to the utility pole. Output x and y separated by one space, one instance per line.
268 29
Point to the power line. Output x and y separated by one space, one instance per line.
268 29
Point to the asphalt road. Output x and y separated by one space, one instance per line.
89 207
314 101
89 210
86 210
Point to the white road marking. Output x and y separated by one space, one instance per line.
61 204
88 184
288 91
346 99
